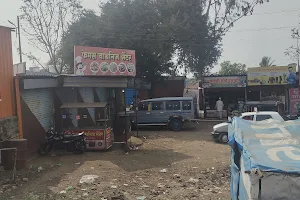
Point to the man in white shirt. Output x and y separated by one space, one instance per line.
219 107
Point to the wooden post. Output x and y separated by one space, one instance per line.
19 111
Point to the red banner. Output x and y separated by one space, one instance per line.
96 61
294 94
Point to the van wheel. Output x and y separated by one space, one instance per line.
176 124
223 138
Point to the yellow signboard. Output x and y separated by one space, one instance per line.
272 75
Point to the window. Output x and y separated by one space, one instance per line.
263 117
186 105
157 105
144 106
173 105
248 117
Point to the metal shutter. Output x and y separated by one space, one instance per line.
40 102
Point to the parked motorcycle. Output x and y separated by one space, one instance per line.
72 143
292 117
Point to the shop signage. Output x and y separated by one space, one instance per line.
96 61
95 139
294 94
224 81
90 134
272 75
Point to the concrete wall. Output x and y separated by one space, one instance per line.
9 128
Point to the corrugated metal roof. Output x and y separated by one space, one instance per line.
84 105
1 26
30 73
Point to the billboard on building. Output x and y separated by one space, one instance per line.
272 75
294 95
224 81
96 61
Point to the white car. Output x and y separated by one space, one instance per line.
220 131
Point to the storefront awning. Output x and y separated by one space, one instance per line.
85 105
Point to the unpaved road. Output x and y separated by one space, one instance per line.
170 165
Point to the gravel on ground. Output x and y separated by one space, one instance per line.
185 165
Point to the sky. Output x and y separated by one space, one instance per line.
266 33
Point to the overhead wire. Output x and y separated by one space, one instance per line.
197 32
116 34
273 13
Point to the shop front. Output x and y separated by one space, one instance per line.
271 84
294 101
90 99
231 89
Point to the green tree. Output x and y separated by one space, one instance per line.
228 68
156 30
159 31
266 62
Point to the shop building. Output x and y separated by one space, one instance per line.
231 89
98 83
167 87
262 84
271 84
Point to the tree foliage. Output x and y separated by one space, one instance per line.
156 30
168 35
228 68
266 62
294 50
160 31
45 22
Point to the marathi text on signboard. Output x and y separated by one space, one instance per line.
96 61
224 81
272 75
95 139
294 94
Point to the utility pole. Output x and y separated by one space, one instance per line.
18 29
19 34
298 52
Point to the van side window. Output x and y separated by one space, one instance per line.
186 105
157 106
173 105
144 106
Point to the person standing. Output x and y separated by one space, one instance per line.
219 107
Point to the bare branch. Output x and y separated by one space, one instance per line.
47 21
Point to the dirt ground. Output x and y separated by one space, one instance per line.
169 165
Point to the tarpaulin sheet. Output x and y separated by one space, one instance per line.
271 147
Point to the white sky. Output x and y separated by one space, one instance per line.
266 33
